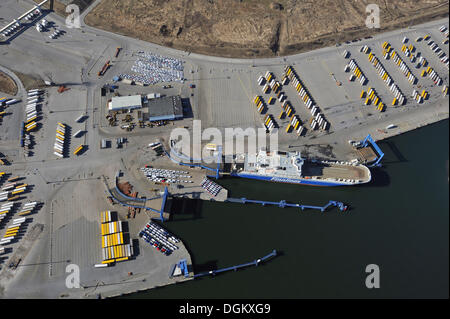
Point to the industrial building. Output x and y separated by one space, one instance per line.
152 107
166 108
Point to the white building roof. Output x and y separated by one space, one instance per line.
125 102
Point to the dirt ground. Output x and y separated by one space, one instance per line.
30 81
7 85
255 28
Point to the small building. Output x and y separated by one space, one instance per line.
125 102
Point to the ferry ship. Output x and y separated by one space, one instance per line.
290 167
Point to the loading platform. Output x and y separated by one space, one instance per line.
283 204
256 262
370 151
135 202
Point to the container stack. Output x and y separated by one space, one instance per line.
113 247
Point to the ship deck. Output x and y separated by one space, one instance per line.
335 171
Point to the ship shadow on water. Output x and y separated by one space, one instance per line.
185 209
380 178
394 156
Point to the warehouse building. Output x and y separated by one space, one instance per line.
168 108
119 103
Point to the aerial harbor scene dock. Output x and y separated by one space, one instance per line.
116 164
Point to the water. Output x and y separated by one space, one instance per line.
400 222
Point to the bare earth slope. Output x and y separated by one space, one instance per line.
250 28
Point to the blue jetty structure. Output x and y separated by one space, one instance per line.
369 140
182 266
283 204
256 262
135 202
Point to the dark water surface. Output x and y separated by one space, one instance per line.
399 222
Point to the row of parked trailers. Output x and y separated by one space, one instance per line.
5 209
373 96
439 52
12 231
401 64
432 74
399 97
259 103
357 72
27 208
269 82
286 109
11 192
269 122
114 248
294 123
305 96
58 148
6 102
34 99
420 97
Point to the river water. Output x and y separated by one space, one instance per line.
399 222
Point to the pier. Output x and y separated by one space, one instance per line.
283 204
256 262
